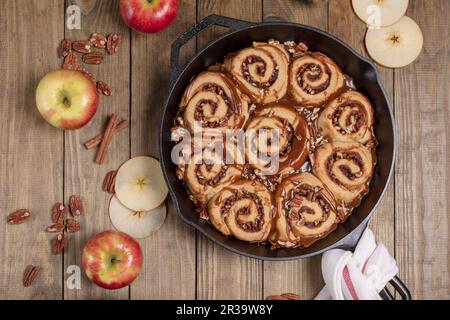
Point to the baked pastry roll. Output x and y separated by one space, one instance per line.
205 180
306 211
314 78
346 168
282 124
213 101
349 117
243 209
261 71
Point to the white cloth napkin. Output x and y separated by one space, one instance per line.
359 275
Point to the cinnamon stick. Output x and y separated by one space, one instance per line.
106 139
95 141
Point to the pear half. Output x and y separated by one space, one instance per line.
140 184
138 224
380 13
395 46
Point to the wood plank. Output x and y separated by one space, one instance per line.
220 273
423 170
82 175
343 23
31 150
169 254
302 276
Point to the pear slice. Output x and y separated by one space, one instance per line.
380 13
138 224
140 184
395 46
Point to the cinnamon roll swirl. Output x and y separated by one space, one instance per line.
348 117
213 101
306 211
262 71
243 209
205 180
346 168
314 78
289 148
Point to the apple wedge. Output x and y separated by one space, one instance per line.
395 46
139 224
140 184
380 13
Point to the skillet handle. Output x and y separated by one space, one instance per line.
216 20
399 287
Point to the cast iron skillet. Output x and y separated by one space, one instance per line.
241 34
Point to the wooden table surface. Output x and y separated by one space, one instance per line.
41 165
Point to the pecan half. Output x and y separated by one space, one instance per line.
76 206
72 225
87 74
114 41
58 243
109 182
291 296
59 212
93 58
82 46
65 47
102 87
284 296
56 227
19 216
203 214
300 49
71 61
98 40
30 274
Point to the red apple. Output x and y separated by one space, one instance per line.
112 259
148 16
67 99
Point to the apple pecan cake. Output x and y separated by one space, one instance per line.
275 144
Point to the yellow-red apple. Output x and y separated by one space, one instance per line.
148 16
67 99
112 259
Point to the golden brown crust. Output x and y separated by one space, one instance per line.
314 78
306 211
261 71
293 138
348 117
346 168
212 101
244 210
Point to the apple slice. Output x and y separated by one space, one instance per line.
395 46
139 224
380 13
140 184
